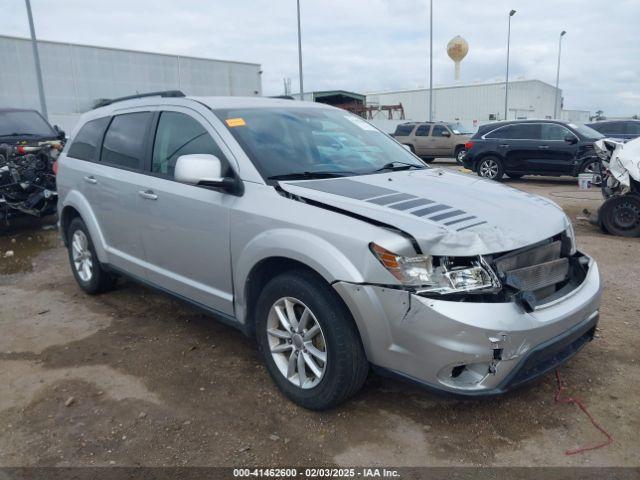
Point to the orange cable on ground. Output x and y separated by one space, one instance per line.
582 407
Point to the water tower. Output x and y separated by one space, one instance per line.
457 49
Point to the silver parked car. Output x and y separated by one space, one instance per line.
327 241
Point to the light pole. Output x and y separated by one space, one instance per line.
555 103
36 61
506 83
300 54
431 60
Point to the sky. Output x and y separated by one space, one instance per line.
371 45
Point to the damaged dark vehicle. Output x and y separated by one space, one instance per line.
29 147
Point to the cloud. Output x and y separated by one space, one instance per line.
367 45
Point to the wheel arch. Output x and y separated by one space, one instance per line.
75 205
276 252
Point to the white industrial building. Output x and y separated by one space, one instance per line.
76 77
476 104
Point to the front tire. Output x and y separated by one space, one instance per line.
86 267
309 341
491 168
620 215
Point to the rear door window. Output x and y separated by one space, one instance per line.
179 134
125 141
611 128
87 140
633 128
521 131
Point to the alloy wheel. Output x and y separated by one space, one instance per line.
460 155
296 342
81 254
489 168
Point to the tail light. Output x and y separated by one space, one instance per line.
54 167
468 145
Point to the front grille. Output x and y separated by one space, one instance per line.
537 269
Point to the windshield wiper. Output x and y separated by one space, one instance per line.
310 175
397 165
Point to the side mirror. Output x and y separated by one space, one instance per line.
407 147
446 133
570 138
60 132
204 170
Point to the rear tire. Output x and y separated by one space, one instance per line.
428 160
490 168
286 352
515 176
460 154
86 267
620 215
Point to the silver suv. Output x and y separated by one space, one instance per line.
326 241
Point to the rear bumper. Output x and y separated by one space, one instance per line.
471 348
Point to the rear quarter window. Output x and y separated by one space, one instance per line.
403 130
87 140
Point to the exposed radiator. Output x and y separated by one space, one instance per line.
534 269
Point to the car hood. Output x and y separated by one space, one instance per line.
447 213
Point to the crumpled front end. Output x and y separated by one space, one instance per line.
480 344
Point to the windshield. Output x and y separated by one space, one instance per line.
18 123
585 131
290 141
460 128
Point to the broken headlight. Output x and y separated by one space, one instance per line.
571 237
447 276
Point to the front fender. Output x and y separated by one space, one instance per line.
304 247
78 202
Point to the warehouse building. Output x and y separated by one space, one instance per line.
476 104
77 77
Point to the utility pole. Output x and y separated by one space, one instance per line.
36 60
431 60
506 82
555 103
300 54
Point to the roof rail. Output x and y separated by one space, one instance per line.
165 93
285 97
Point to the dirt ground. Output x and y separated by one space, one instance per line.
133 377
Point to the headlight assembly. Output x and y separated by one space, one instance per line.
449 275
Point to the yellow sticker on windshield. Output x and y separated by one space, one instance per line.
235 122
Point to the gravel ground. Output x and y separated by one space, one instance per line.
133 377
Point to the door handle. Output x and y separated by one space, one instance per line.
90 179
148 194
504 145
543 147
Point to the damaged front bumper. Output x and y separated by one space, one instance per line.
471 348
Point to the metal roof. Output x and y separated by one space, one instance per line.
128 50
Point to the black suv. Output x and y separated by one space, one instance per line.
618 129
531 147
